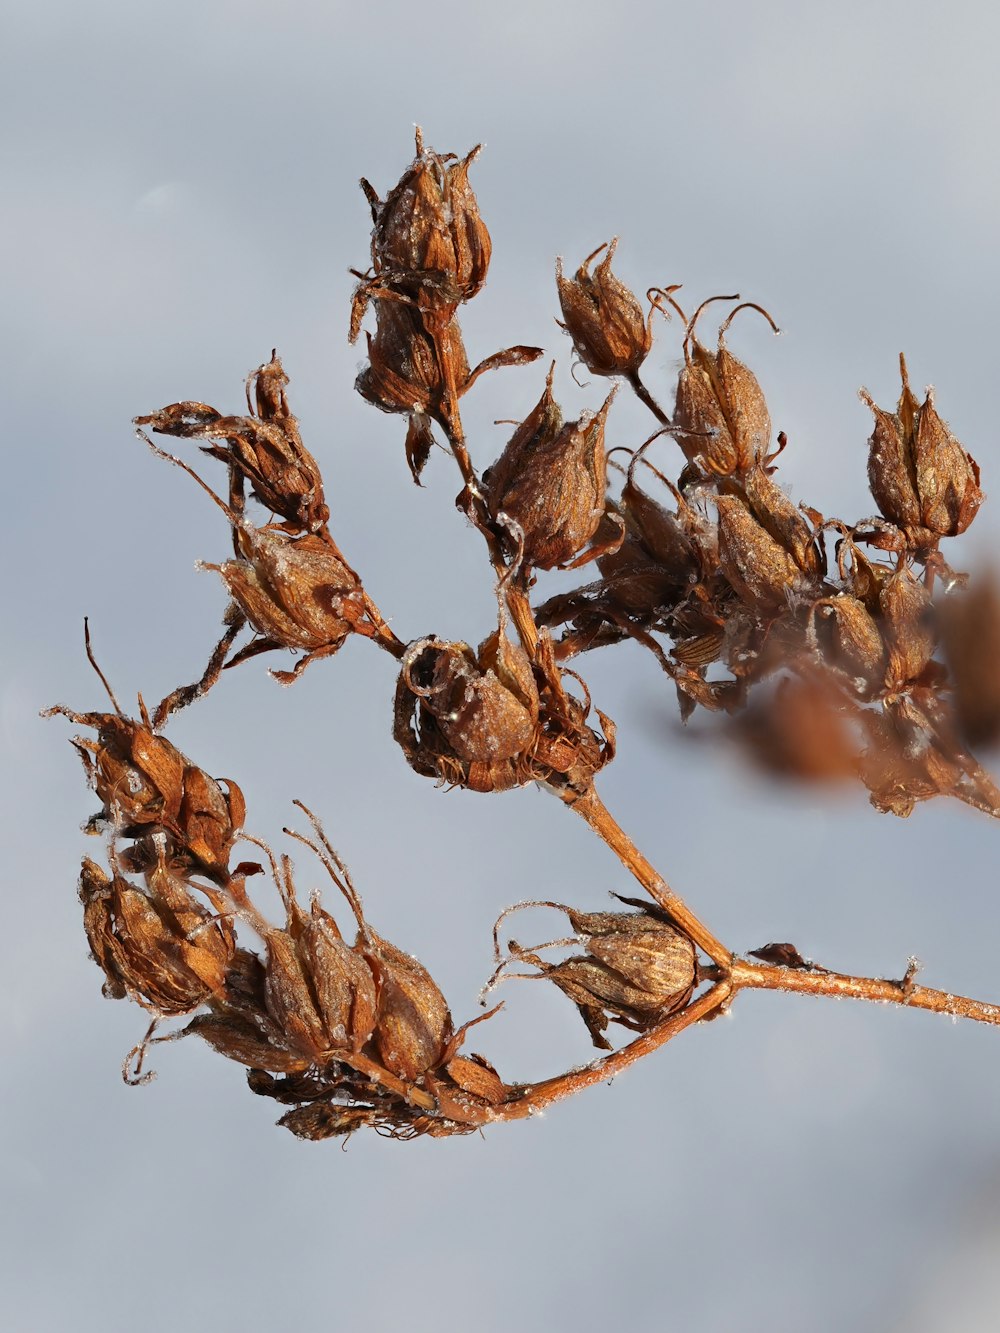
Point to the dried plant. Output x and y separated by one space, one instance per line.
842 650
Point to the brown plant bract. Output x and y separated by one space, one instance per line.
823 634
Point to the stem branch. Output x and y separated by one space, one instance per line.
591 808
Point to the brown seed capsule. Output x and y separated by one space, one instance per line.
414 1025
550 482
146 785
761 571
264 450
161 946
295 591
920 476
909 634
848 639
639 968
243 1041
466 716
604 319
319 993
720 410
405 372
429 240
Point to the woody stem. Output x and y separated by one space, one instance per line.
531 1098
516 596
591 808
743 974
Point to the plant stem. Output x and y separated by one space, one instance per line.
591 808
744 974
516 595
530 1098
645 397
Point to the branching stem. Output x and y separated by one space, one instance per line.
591 808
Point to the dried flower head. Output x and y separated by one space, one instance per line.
722 420
146 786
637 967
160 946
263 449
429 242
296 592
548 485
921 478
610 334
467 717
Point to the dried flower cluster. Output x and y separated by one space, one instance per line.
844 649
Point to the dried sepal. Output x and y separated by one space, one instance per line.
476 1076
466 716
610 334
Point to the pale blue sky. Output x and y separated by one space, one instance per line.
180 196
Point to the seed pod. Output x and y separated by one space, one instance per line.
905 605
162 947
404 372
243 1041
295 591
429 240
264 450
785 522
146 785
921 478
320 993
850 641
467 717
720 409
761 571
604 319
638 968
632 578
414 1025
550 481
342 981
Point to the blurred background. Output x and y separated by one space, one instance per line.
181 197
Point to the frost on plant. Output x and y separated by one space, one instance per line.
842 651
